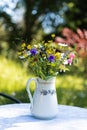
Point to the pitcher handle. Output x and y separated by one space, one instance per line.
28 89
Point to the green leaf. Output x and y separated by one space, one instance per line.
48 77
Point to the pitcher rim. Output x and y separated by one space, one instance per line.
51 80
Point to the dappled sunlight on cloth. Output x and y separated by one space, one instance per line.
18 117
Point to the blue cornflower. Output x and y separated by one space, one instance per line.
33 51
51 58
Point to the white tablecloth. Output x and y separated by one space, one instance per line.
18 117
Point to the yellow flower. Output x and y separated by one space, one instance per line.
43 55
49 51
29 47
19 53
45 44
23 45
57 55
52 35
50 41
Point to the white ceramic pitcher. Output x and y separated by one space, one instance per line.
44 101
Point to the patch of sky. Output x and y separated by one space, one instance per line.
50 21
9 6
34 11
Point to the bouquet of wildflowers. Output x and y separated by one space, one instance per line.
47 59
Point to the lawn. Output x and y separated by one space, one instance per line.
71 87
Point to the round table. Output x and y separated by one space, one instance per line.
18 117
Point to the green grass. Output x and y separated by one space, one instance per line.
71 88
12 76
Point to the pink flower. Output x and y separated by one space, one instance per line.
71 55
70 61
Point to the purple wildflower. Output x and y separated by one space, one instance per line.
51 58
33 51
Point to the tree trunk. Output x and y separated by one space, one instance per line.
29 20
